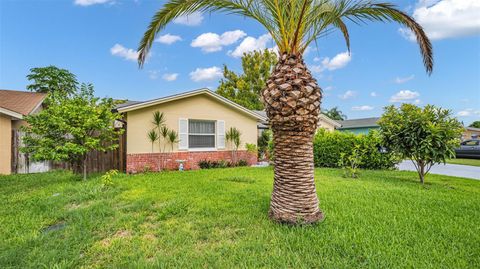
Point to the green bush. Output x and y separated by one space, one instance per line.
328 147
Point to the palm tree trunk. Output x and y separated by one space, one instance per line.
292 101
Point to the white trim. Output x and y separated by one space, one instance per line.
221 143
190 94
327 119
202 149
11 113
183 141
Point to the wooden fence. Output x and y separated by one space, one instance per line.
97 161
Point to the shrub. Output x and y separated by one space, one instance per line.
107 180
242 163
350 163
251 148
328 148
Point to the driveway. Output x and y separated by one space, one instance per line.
455 170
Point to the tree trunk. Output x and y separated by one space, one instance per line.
85 168
292 102
421 171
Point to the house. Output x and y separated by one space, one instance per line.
359 126
471 133
14 105
201 119
324 122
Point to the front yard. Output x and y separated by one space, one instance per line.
473 162
218 218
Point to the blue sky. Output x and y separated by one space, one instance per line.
96 40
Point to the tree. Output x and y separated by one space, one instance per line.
292 97
425 136
71 127
52 79
335 114
475 124
245 89
233 135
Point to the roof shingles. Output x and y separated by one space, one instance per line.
20 101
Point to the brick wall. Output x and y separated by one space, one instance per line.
139 162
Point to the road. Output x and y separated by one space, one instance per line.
455 170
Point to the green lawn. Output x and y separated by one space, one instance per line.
474 162
218 218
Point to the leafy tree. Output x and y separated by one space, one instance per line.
475 124
69 128
52 79
425 136
292 97
245 89
335 114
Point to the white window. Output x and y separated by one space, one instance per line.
201 134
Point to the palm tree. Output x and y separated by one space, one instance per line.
292 97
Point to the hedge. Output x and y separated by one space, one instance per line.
328 147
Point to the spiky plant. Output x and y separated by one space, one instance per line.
172 138
159 122
152 137
233 135
292 96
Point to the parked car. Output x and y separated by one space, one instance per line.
469 149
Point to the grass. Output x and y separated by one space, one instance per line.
474 162
218 218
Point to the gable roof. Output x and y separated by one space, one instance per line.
321 116
359 123
21 102
472 129
139 105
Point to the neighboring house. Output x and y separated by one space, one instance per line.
324 122
471 133
200 117
14 105
359 126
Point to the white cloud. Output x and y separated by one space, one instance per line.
328 88
405 96
170 76
446 18
339 61
373 94
211 42
210 73
400 80
121 51
250 44
168 39
362 108
468 112
193 19
347 95
91 2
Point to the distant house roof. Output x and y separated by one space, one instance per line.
473 129
20 102
139 105
359 123
127 103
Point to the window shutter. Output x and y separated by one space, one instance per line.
183 133
220 134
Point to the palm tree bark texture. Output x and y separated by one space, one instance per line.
292 101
